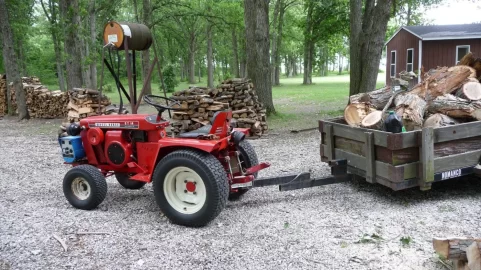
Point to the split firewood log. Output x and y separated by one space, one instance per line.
373 120
455 248
467 60
440 120
355 112
443 80
377 98
470 90
455 107
410 108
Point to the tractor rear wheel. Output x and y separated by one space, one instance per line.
248 157
84 187
123 179
190 187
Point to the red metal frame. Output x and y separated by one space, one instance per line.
98 132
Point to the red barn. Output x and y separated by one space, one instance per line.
430 46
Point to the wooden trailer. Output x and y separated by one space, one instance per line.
403 160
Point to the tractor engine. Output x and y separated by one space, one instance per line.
116 149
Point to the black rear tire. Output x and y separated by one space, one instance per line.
85 187
123 179
249 158
211 173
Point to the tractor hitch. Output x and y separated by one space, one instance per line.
339 174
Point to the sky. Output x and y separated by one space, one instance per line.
455 12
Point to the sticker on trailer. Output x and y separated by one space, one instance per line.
114 125
112 38
451 174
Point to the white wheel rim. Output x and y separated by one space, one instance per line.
184 190
80 188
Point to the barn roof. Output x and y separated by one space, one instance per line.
443 32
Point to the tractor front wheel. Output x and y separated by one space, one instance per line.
84 187
190 187
123 179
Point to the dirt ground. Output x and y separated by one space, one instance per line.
342 226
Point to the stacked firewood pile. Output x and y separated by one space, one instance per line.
464 253
41 102
199 105
446 96
85 102
3 95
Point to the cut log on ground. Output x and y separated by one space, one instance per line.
373 120
470 91
410 108
455 107
377 98
440 120
442 81
454 248
355 112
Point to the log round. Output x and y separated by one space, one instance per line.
455 107
470 90
440 120
373 120
377 98
355 112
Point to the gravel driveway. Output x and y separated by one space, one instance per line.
343 226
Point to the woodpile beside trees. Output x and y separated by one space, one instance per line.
41 102
199 105
445 96
85 102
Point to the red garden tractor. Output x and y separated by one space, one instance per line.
193 174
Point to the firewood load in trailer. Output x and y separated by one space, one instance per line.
445 96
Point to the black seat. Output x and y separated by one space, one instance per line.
200 131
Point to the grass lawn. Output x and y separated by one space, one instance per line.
297 105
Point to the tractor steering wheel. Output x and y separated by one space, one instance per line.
160 107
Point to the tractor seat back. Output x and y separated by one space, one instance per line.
216 126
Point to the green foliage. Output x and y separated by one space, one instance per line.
170 79
366 238
406 241
107 88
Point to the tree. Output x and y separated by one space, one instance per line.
147 20
368 29
51 12
69 10
11 64
256 17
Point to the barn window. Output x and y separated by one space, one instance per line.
393 64
461 51
410 60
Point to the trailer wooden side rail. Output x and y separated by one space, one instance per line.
403 160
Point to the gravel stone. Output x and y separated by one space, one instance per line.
316 228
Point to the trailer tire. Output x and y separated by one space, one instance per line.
123 179
249 157
190 187
85 187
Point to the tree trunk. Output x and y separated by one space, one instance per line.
367 33
274 50
308 45
11 64
277 55
84 54
147 20
250 20
93 41
192 57
210 67
256 16
235 54
71 19
408 16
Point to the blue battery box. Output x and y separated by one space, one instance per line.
72 148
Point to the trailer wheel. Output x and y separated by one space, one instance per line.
249 158
190 187
123 179
84 187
